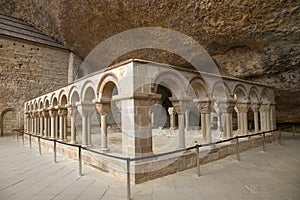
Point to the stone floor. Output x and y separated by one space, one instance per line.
274 174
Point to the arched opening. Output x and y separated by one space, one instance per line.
241 114
8 121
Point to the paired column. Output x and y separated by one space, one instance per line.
72 111
86 109
32 122
227 108
62 113
255 108
265 117
53 117
204 107
179 106
27 128
243 117
171 111
41 122
46 123
103 108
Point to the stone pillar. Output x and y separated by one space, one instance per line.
204 107
45 113
103 109
243 109
136 123
72 111
255 108
227 108
86 109
171 111
62 113
53 115
179 106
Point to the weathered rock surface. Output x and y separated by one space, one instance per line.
255 40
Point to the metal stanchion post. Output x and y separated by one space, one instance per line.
197 160
238 149
30 141
279 137
39 141
264 141
23 138
79 161
54 150
128 179
294 134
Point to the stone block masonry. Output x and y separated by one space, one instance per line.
146 170
28 70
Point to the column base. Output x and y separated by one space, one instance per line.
73 142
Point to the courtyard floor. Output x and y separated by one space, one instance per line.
274 174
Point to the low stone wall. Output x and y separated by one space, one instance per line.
145 170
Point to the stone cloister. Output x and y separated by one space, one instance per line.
150 108
139 95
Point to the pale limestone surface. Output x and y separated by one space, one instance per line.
274 174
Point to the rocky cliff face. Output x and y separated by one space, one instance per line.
256 40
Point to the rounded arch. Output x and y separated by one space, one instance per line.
106 78
265 96
88 91
220 91
46 102
53 99
5 111
35 105
199 88
73 95
63 100
240 93
253 95
174 81
40 104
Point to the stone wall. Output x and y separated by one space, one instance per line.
28 70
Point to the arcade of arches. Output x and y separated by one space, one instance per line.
136 97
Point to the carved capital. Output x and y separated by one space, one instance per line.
45 113
204 106
242 107
62 112
226 106
171 110
179 105
103 108
265 108
52 112
255 107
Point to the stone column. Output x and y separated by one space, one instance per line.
72 110
32 122
179 106
62 113
227 108
243 109
41 122
238 120
187 120
265 117
171 111
255 108
204 107
46 124
103 109
272 116
53 115
86 109
27 128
